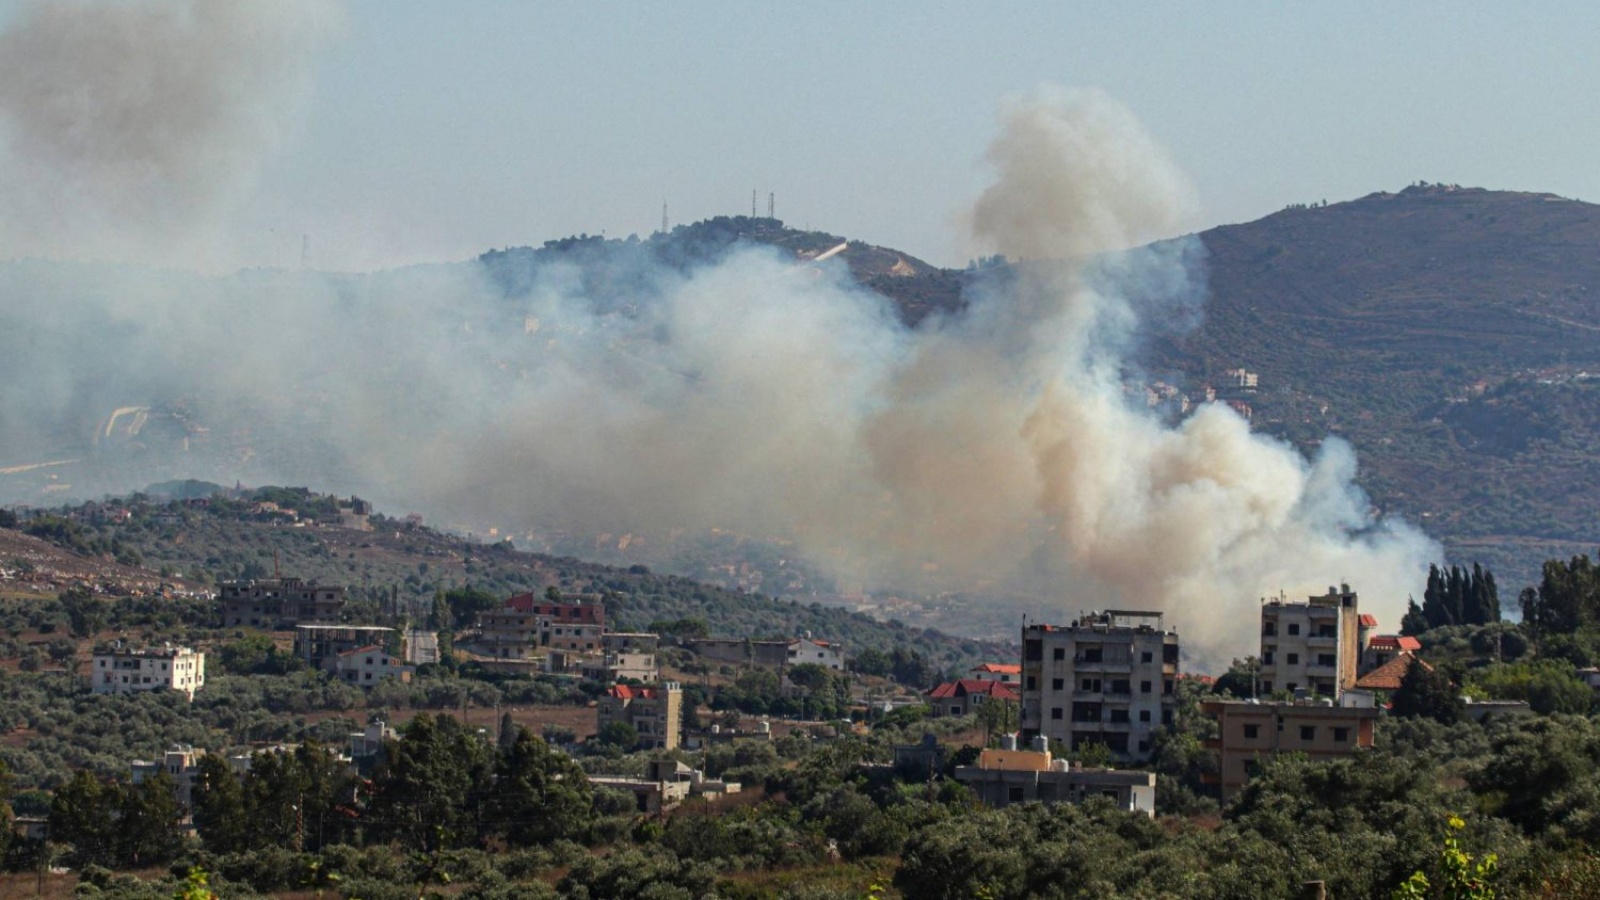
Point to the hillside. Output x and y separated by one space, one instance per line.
1448 333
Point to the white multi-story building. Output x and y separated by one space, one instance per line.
121 671
1109 678
1312 647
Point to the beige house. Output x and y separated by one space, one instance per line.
171 668
181 764
1249 733
1006 776
1109 678
366 666
656 713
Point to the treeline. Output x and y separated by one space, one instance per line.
1454 596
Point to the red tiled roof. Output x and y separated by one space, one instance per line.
1387 676
968 686
999 668
1369 621
629 692
1402 642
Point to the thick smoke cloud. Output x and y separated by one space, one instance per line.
756 395
128 129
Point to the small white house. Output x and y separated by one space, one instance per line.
121 671
821 653
366 666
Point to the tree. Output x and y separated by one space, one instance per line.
1457 875
429 789
219 807
539 795
82 813
147 830
618 735
1425 691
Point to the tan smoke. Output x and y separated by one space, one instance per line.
128 126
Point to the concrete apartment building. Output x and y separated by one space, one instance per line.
656 713
1250 733
319 646
181 764
742 651
169 668
278 603
366 666
525 624
625 654
1313 646
1005 776
1109 678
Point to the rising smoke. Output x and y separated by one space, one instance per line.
752 395
127 130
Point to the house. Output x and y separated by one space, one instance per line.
278 603
819 653
366 666
656 713
1388 676
181 764
1250 732
1382 649
742 651
525 624
666 784
121 671
1005 673
1313 646
319 646
624 654
962 698
1008 775
1109 678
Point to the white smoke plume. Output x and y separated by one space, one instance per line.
128 129
993 446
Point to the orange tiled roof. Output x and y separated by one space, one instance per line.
1387 676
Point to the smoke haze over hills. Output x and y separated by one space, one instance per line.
751 394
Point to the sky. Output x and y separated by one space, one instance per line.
428 132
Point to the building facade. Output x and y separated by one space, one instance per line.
1005 673
366 666
181 764
525 624
1314 647
1109 678
1003 777
656 713
319 646
818 653
278 603
625 654
964 697
1250 733
130 671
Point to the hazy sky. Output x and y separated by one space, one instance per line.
434 131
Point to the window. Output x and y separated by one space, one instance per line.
955 710
1341 735
1144 687
1091 684
1166 717
1294 627
1093 654
1251 732
1144 715
1059 654
1166 687
1269 629
1119 715
1014 795
1325 659
1058 684
1033 683
1266 686
1308 732
1146 656
1144 746
1055 712
1119 686
1294 659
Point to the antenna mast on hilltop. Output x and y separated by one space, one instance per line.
663 217
752 203
770 197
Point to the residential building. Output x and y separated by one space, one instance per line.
121 671
656 713
1382 649
666 784
1249 733
1388 676
525 624
366 666
319 646
181 764
962 698
1313 646
742 651
817 653
1109 678
422 647
1005 673
625 654
278 603
1005 776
